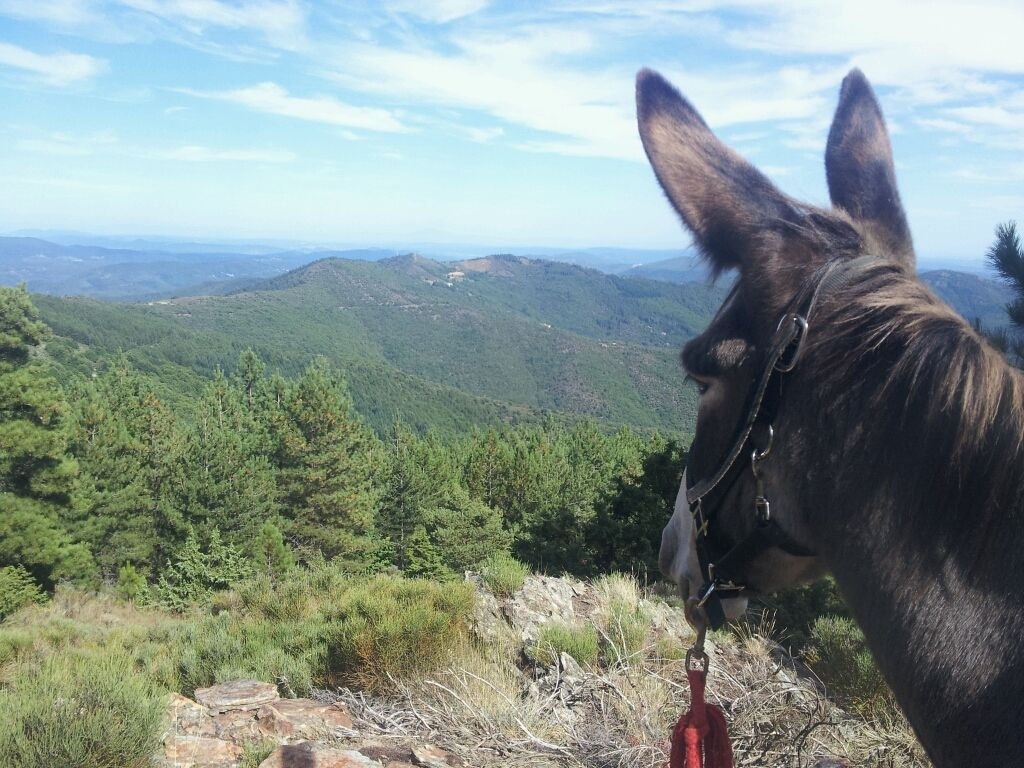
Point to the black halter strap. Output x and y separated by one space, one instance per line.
783 356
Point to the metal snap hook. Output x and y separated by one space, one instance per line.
760 454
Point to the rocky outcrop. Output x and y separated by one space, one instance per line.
215 730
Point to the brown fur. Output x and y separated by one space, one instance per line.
899 437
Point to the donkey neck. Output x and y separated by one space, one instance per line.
920 506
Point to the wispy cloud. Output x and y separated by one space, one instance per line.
60 69
199 154
271 98
282 22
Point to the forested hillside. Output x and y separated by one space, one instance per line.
448 345
104 480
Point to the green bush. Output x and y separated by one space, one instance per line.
17 589
839 656
503 574
91 711
396 629
323 627
580 642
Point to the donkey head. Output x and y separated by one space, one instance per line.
741 221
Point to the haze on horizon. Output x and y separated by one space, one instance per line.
468 121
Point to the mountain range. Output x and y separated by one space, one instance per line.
443 344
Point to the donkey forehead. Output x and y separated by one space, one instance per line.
725 344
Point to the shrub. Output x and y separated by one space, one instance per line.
81 712
503 574
323 627
555 638
397 629
839 656
17 589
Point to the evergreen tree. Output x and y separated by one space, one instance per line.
327 462
228 479
422 477
129 450
625 535
1006 257
36 474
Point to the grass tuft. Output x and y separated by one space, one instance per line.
503 574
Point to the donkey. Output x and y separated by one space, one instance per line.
849 422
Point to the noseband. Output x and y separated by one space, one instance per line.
784 354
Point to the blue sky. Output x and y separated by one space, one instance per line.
468 121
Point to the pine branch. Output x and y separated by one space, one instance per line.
1006 256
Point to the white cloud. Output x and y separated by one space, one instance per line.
283 22
273 99
199 154
59 69
60 12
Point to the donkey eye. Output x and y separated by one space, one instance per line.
702 386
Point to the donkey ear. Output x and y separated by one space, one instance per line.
861 174
727 203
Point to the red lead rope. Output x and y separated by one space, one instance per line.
700 739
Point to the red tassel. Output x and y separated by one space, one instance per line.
700 738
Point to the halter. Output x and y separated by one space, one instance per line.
784 354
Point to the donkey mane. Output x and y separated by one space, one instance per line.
945 409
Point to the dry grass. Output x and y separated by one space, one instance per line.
484 710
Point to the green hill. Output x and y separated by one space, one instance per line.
448 345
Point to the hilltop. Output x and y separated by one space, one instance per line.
496 339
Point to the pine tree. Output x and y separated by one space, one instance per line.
37 476
228 480
129 449
328 467
1006 257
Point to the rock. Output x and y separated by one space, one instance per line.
542 599
387 753
188 718
237 694
200 752
238 725
303 717
310 755
569 666
430 756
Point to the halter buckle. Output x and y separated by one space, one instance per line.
699 520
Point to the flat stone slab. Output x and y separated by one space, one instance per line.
238 694
309 755
200 752
188 718
302 717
